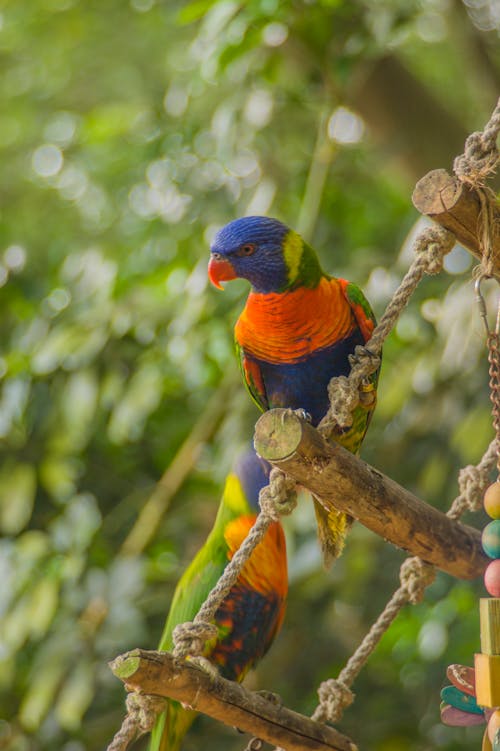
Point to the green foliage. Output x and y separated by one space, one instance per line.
128 133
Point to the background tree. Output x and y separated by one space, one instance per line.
129 133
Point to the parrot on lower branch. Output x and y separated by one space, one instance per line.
252 613
296 332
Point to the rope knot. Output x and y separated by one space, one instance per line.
472 484
364 361
433 244
334 697
478 160
143 710
480 155
190 638
415 576
279 497
344 398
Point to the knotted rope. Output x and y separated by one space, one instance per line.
276 499
335 695
344 391
142 711
472 482
415 575
479 160
480 156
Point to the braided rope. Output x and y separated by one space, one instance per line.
142 711
472 482
479 160
430 246
480 156
336 695
415 575
276 499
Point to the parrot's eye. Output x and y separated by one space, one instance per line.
246 250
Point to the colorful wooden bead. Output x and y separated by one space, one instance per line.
491 539
492 578
492 501
458 718
467 703
462 676
487 680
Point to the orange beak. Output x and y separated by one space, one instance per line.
220 270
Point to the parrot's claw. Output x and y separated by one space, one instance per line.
271 697
363 349
303 414
205 665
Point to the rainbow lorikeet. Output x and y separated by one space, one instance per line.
296 332
251 615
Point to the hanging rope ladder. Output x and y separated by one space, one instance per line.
465 211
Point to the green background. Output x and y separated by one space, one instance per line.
129 132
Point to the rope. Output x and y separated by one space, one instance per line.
430 246
336 695
480 156
479 160
276 499
415 575
472 483
142 710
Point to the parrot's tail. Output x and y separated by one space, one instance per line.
333 527
171 727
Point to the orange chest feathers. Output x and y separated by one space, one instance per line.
266 569
289 326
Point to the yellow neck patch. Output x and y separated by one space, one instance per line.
234 498
292 251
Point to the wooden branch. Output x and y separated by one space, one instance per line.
158 673
344 482
455 206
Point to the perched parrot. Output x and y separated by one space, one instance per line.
251 615
296 332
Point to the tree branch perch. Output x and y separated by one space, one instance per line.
457 208
160 674
342 481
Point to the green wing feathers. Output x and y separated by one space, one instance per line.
251 614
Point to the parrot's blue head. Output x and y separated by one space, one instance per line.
263 250
253 474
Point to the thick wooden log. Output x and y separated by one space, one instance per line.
160 674
457 207
342 481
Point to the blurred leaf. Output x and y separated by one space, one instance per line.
41 693
194 11
75 696
43 606
17 495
